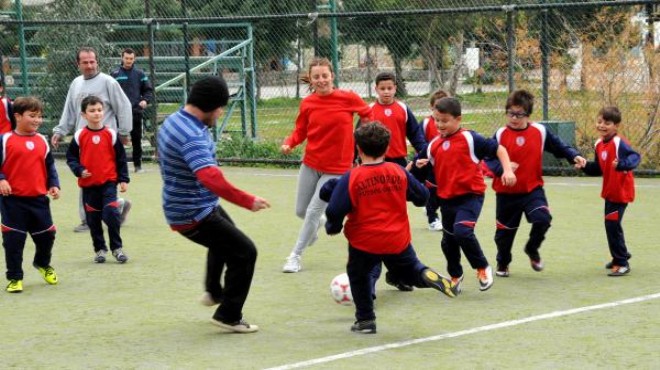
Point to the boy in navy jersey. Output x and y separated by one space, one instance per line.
97 157
373 196
455 156
615 160
27 175
525 141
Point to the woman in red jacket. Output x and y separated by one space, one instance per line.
325 120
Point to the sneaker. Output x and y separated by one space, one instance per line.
610 264
537 265
15 286
48 273
240 326
81 228
293 264
364 327
438 282
435 225
619 270
397 284
207 300
124 211
502 271
99 257
485 276
457 284
119 255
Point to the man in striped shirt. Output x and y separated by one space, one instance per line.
192 183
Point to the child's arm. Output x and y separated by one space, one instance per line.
52 177
338 207
120 163
73 158
5 188
417 193
554 145
628 159
414 132
508 177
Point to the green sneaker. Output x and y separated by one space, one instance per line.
48 273
15 286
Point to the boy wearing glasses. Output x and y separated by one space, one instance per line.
525 141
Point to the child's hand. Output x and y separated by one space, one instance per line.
123 187
421 162
508 178
409 166
5 188
54 192
85 174
259 204
615 163
286 149
514 166
580 162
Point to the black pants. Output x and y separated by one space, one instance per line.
227 246
136 139
615 238
101 206
22 216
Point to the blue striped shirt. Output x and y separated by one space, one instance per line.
185 146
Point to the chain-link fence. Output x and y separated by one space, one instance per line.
576 57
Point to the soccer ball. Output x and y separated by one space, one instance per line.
340 289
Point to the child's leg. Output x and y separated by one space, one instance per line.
92 198
538 214
508 212
358 267
450 247
615 239
14 233
42 231
110 213
407 266
432 207
467 213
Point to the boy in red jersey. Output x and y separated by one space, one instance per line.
615 160
373 196
97 158
27 175
455 156
7 122
430 131
525 141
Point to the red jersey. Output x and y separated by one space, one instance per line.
326 122
373 196
401 122
27 164
455 161
618 183
97 151
429 128
5 115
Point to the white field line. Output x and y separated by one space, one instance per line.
479 329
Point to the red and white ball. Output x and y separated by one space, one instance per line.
340 289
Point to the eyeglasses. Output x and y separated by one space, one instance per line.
516 114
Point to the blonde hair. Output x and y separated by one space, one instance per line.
315 62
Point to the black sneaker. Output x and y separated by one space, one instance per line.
441 283
535 260
240 326
364 327
397 284
610 264
502 270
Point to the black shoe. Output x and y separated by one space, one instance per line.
619 270
610 264
364 327
441 283
535 260
397 284
502 270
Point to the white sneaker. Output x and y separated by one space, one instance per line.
435 225
485 277
292 264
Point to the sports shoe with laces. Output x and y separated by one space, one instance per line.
99 257
240 326
619 270
119 255
81 228
364 327
390 280
15 286
48 273
485 276
435 225
293 264
439 282
610 264
124 211
537 265
457 283
502 271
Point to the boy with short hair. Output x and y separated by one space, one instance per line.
97 157
614 160
525 141
27 175
455 156
373 196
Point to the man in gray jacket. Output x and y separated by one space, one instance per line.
116 106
